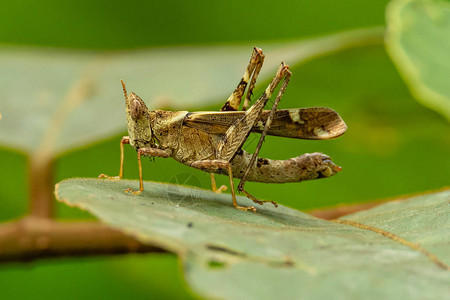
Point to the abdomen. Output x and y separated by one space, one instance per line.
304 167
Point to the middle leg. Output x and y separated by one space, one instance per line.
224 165
214 186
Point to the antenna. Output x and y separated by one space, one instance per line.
124 89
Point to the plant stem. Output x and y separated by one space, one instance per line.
42 201
32 238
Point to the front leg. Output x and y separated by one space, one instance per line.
151 152
211 165
125 140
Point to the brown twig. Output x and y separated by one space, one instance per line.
42 201
41 160
31 238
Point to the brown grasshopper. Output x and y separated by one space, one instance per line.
212 141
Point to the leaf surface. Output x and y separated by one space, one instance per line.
281 252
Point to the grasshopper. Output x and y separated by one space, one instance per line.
212 141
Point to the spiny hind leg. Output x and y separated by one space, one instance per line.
282 74
254 199
125 140
250 74
214 186
233 139
151 152
224 165
258 67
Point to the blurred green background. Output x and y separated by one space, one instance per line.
394 146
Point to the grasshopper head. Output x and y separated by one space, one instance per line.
138 121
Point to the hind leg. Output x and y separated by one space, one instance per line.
233 102
257 201
251 73
286 75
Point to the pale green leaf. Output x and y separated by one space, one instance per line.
54 100
280 252
418 40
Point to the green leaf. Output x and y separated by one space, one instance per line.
397 250
418 40
54 101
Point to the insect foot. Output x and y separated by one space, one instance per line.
254 199
130 191
221 189
214 186
245 208
104 176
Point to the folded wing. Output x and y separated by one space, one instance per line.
314 123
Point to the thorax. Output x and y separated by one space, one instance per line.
188 144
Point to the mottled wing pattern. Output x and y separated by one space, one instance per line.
235 136
211 121
315 123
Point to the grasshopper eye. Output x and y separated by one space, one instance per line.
136 110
